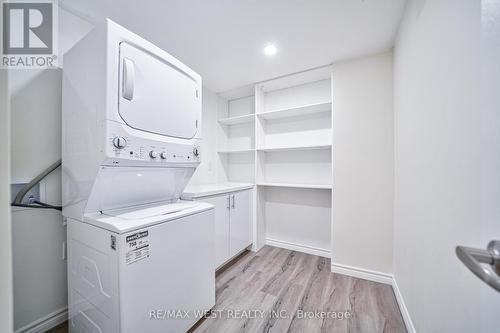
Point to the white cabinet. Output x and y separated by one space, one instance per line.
222 209
240 222
233 223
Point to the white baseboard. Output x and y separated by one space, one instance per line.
298 247
385 278
402 307
46 323
362 273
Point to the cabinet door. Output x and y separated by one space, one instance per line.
221 204
240 234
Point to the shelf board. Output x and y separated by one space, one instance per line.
296 111
310 186
235 151
310 147
248 118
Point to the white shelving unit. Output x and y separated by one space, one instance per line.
236 140
293 135
280 139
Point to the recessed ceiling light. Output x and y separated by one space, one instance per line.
270 50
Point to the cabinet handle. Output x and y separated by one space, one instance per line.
233 202
228 202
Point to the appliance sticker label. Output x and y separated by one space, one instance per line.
137 247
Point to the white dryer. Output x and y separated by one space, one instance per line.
140 259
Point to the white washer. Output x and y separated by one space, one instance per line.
138 255
140 270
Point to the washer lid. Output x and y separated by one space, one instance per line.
123 187
133 218
149 211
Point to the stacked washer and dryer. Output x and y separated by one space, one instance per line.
131 135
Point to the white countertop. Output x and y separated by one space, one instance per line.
204 190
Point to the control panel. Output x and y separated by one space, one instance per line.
136 149
123 148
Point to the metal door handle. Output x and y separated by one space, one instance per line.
228 202
233 202
475 259
128 79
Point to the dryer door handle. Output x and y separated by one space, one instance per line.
128 79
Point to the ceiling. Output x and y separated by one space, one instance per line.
223 40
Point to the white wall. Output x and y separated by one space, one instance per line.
38 267
207 170
363 163
39 270
443 154
6 312
490 145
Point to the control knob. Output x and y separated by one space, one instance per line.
119 142
196 151
153 154
163 155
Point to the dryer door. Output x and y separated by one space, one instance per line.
155 96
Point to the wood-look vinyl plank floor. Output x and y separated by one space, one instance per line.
283 282
274 285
